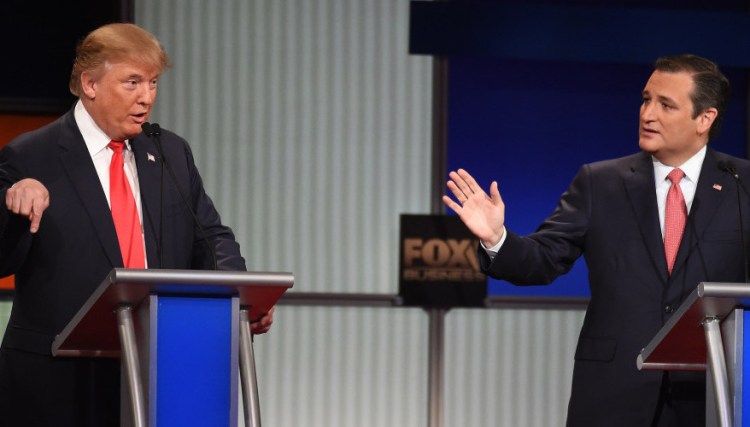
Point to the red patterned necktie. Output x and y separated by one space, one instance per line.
124 211
675 218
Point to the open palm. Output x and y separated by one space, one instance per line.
484 215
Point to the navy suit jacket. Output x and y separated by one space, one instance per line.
76 246
609 215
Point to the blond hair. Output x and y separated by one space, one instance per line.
114 43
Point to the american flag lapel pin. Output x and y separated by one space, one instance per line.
151 158
717 187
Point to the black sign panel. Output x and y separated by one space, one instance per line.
439 265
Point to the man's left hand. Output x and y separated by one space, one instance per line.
263 325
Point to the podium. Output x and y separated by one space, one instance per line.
707 334
181 336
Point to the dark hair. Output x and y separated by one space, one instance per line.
711 87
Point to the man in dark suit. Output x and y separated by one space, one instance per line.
58 235
647 243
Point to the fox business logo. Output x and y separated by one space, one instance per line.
452 260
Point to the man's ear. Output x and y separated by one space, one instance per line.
706 119
88 84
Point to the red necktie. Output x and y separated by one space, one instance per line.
675 218
124 211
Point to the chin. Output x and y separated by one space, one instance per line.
132 133
648 145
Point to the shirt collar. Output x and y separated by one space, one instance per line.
692 167
94 137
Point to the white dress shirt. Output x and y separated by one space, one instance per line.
97 144
688 184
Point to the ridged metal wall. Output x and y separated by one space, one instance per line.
509 367
344 366
310 123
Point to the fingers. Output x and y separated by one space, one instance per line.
471 184
457 192
459 187
463 186
28 198
495 194
452 204
36 214
263 325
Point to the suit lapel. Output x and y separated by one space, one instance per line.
148 164
640 186
705 204
78 165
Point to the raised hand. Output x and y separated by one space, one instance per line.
484 215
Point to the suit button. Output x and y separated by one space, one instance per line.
668 309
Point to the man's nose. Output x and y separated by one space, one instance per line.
146 95
647 111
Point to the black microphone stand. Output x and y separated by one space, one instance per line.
732 170
153 130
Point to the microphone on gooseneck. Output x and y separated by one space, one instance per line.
731 169
153 130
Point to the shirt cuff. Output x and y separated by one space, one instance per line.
492 252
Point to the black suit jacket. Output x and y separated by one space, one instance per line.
76 246
609 215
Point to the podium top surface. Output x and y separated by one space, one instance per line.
93 330
681 343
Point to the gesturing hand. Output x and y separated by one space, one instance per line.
30 198
484 215
263 325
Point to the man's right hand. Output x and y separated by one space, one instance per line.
30 198
482 214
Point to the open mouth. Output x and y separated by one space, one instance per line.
139 117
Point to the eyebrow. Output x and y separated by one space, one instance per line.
660 97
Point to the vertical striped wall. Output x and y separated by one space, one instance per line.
310 124
347 367
509 367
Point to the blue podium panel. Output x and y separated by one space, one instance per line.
195 379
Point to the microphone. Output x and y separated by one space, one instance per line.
153 131
731 169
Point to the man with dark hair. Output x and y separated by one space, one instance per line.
711 87
82 196
651 226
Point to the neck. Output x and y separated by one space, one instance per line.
676 160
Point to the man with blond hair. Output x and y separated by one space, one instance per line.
61 226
